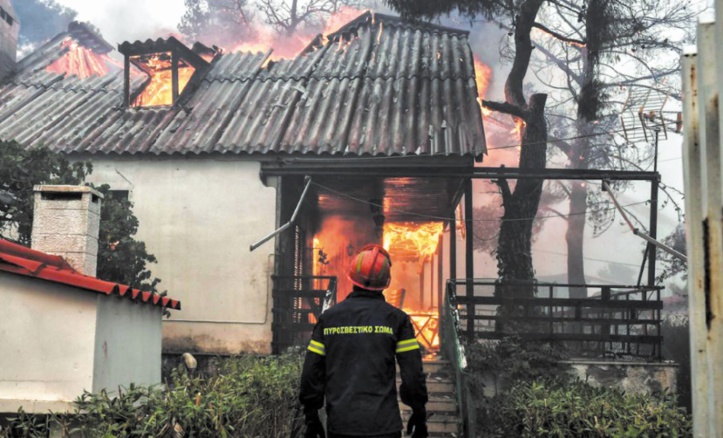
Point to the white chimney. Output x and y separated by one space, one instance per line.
66 222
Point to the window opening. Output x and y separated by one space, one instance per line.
162 88
6 16
119 195
169 66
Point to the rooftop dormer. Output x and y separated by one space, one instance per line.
169 64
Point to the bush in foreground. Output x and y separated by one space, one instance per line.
246 397
555 408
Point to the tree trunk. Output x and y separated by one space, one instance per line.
514 252
575 239
588 105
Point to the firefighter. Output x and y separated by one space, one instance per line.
350 361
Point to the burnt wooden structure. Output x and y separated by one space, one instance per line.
298 303
619 324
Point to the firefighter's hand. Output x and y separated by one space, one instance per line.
314 428
417 425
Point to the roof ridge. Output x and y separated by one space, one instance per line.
371 18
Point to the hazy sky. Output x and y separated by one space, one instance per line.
127 20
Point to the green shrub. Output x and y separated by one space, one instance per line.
554 408
247 396
676 347
507 361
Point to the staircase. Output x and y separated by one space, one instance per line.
442 413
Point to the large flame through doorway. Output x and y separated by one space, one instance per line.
415 265
409 238
412 247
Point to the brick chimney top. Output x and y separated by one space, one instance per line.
66 222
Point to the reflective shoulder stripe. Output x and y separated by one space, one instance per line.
407 345
317 347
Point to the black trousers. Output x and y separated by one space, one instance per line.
389 435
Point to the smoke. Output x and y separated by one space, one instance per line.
129 20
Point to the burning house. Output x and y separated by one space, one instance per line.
255 179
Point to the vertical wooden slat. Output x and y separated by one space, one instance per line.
700 89
126 81
174 75
469 254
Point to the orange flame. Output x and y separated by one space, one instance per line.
287 46
420 238
483 76
410 244
519 124
426 327
79 61
159 90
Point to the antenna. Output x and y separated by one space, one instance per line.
644 114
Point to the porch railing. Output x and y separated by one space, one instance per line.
612 320
453 350
298 301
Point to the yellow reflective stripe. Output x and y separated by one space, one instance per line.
316 350
317 347
407 345
406 342
359 260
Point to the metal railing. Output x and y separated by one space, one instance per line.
298 301
610 320
453 350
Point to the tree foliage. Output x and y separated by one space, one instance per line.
121 258
219 22
20 170
289 16
605 50
673 266
230 22
41 20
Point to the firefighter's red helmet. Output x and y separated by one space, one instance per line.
370 268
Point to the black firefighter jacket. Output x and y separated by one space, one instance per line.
350 361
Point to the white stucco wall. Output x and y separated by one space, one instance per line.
127 344
198 216
46 343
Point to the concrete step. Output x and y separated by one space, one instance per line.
434 366
442 405
438 424
441 387
442 421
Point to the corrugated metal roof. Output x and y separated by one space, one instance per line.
378 86
17 259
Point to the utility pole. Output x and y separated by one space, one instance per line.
702 84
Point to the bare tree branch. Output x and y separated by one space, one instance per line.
559 36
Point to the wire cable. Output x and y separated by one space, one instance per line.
439 218
657 268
